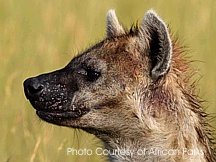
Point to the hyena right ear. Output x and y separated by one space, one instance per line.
154 36
113 26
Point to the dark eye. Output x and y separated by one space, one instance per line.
92 75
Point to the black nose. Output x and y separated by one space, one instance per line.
32 87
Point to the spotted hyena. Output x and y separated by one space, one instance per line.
132 91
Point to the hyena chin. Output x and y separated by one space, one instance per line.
131 90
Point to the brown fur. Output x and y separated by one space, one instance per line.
142 99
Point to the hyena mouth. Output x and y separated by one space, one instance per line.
57 115
57 112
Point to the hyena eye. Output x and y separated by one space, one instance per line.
89 74
92 75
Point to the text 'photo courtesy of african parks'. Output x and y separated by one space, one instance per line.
132 90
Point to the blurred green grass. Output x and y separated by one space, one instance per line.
41 36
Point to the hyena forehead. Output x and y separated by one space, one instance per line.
90 59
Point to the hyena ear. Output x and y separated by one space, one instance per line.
113 26
154 35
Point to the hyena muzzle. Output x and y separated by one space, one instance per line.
131 90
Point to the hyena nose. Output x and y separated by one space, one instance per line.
32 87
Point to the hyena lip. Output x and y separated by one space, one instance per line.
60 115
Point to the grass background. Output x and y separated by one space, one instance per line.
41 36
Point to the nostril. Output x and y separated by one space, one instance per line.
34 88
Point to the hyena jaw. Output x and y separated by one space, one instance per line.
132 90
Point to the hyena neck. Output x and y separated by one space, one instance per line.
154 148
175 133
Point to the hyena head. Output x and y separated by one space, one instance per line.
102 89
